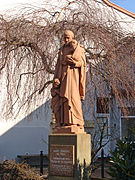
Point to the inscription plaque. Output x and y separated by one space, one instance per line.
61 160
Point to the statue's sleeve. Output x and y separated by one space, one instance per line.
82 76
79 54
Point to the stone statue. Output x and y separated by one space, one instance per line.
69 86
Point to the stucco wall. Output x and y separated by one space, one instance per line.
29 135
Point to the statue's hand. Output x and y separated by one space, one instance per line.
68 56
56 83
71 62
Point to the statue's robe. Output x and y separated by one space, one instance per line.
66 100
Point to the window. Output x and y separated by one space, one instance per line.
102 105
127 124
127 121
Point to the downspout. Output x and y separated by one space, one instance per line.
112 5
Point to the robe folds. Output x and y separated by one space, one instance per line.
66 99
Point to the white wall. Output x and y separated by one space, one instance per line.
29 135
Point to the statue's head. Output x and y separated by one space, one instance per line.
68 36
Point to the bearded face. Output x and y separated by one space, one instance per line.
68 36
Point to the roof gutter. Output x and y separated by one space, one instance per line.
119 8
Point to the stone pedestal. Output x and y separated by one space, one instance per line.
66 153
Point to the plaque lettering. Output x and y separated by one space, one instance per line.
61 160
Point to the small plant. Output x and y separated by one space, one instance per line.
9 170
123 160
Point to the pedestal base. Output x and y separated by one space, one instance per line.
66 153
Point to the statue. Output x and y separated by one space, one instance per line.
69 85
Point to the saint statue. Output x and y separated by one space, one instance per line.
69 86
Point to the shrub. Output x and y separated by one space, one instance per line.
9 170
123 160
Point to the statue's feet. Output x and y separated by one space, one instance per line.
69 129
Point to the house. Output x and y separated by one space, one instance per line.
106 118
27 133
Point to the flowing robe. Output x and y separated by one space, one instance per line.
66 100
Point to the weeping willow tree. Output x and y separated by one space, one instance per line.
30 40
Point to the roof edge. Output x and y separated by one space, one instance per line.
119 8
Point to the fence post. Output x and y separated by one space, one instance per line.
102 163
41 162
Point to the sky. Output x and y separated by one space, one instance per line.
126 4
